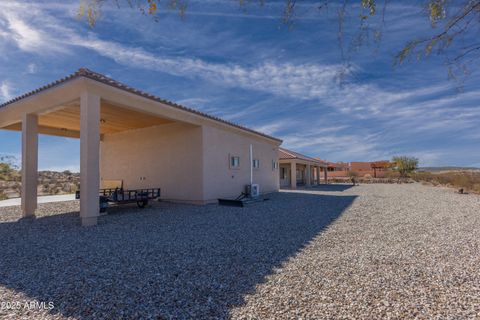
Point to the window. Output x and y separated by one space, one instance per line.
274 165
256 163
234 162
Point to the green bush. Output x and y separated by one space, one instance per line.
404 165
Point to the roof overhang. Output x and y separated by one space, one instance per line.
303 162
288 156
65 93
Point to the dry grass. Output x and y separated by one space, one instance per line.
468 180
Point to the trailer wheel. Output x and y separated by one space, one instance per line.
142 204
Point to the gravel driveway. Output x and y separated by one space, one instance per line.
370 251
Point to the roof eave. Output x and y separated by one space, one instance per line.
85 73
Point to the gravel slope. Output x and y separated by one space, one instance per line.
371 251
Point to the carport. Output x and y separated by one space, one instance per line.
91 107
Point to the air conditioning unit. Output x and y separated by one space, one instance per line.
253 190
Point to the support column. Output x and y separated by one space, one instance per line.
293 175
29 164
308 173
325 175
89 158
318 175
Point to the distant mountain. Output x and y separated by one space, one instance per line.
448 168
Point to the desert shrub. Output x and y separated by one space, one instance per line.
8 173
476 187
3 196
404 165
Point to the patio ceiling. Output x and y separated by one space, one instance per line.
65 120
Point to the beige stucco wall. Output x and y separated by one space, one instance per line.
189 163
166 156
221 181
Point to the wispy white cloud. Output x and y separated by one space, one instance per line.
273 128
32 68
193 102
428 157
365 119
30 30
5 91
301 81
304 81
339 145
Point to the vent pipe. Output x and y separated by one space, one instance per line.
251 164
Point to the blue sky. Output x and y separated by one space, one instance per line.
244 66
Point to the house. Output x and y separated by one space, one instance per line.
298 169
336 169
144 141
375 169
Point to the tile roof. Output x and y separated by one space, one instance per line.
284 154
84 72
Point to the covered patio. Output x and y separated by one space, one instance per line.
92 107
299 170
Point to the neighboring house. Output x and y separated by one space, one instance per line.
297 169
360 167
380 168
144 141
337 169
376 169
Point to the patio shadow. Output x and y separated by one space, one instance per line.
167 261
333 187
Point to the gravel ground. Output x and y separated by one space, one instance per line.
370 251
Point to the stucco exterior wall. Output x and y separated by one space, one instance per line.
338 174
166 156
360 166
222 181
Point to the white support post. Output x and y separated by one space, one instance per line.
325 175
89 158
29 164
309 175
293 175
318 175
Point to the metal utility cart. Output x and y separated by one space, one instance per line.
120 196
